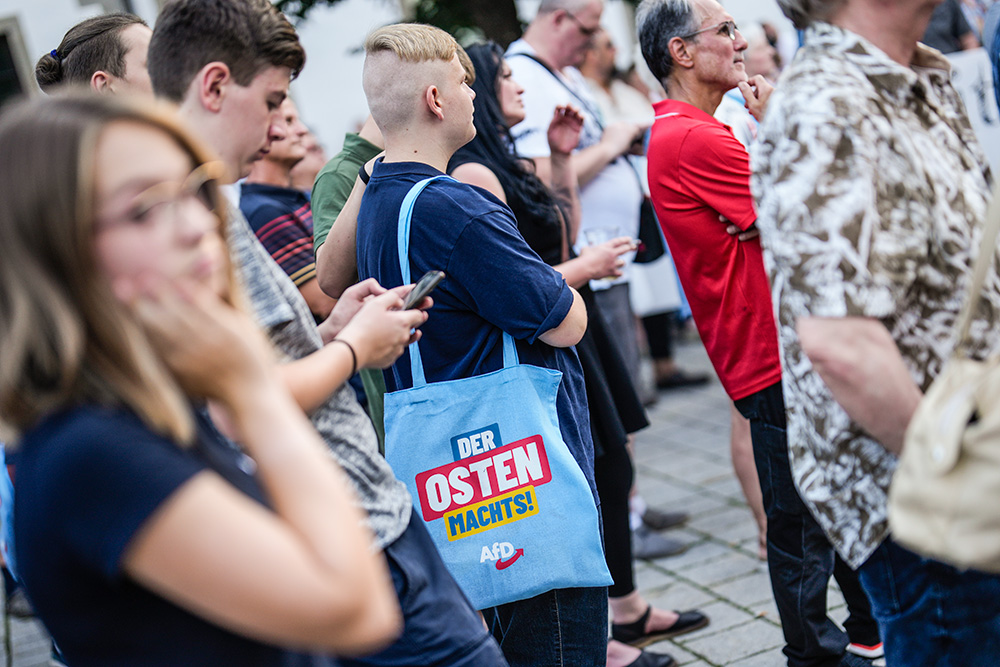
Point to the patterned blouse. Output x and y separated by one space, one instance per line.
871 190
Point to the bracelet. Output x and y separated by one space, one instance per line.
354 355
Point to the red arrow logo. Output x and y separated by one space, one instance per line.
504 564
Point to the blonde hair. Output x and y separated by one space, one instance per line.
396 72
64 337
416 43
412 42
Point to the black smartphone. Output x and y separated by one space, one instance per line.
424 286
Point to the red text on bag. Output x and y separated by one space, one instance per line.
493 473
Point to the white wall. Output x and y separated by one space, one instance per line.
328 92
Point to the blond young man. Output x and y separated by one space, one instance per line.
419 97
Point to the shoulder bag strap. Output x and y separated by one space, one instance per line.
403 247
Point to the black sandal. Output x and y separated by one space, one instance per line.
635 633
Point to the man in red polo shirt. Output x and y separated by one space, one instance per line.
699 180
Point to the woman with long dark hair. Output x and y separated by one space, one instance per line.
548 220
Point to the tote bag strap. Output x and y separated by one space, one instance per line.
403 247
987 250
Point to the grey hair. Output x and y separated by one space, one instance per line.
658 22
803 13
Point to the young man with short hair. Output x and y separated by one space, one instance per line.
228 63
418 95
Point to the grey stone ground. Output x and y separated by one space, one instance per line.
682 462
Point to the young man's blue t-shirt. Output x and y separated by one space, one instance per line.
494 283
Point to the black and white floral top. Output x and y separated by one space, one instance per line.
871 193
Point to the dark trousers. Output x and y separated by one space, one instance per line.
613 473
567 627
800 559
660 334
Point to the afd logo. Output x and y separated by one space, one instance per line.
502 554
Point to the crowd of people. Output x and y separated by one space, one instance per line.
214 364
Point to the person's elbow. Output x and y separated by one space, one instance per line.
331 279
571 329
352 621
320 304
375 623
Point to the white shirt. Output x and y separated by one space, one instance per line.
613 197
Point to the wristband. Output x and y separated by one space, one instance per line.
354 355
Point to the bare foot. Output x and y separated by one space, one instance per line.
621 655
660 619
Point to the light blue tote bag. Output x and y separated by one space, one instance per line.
500 493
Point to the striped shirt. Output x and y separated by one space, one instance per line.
282 220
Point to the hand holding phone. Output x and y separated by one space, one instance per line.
424 286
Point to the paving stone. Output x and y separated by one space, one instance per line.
698 554
680 596
740 532
698 504
651 578
748 591
728 567
682 656
723 616
727 516
772 658
726 485
736 643
665 494
767 610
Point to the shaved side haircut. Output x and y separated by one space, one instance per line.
392 80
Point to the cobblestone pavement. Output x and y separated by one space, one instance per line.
682 463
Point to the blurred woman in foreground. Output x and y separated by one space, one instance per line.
143 536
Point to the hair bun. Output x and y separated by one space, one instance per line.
49 70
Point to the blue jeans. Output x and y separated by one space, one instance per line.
800 559
932 614
567 627
440 625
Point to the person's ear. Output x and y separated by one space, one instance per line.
212 82
680 53
100 81
559 16
432 98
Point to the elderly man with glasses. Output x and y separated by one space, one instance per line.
699 179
